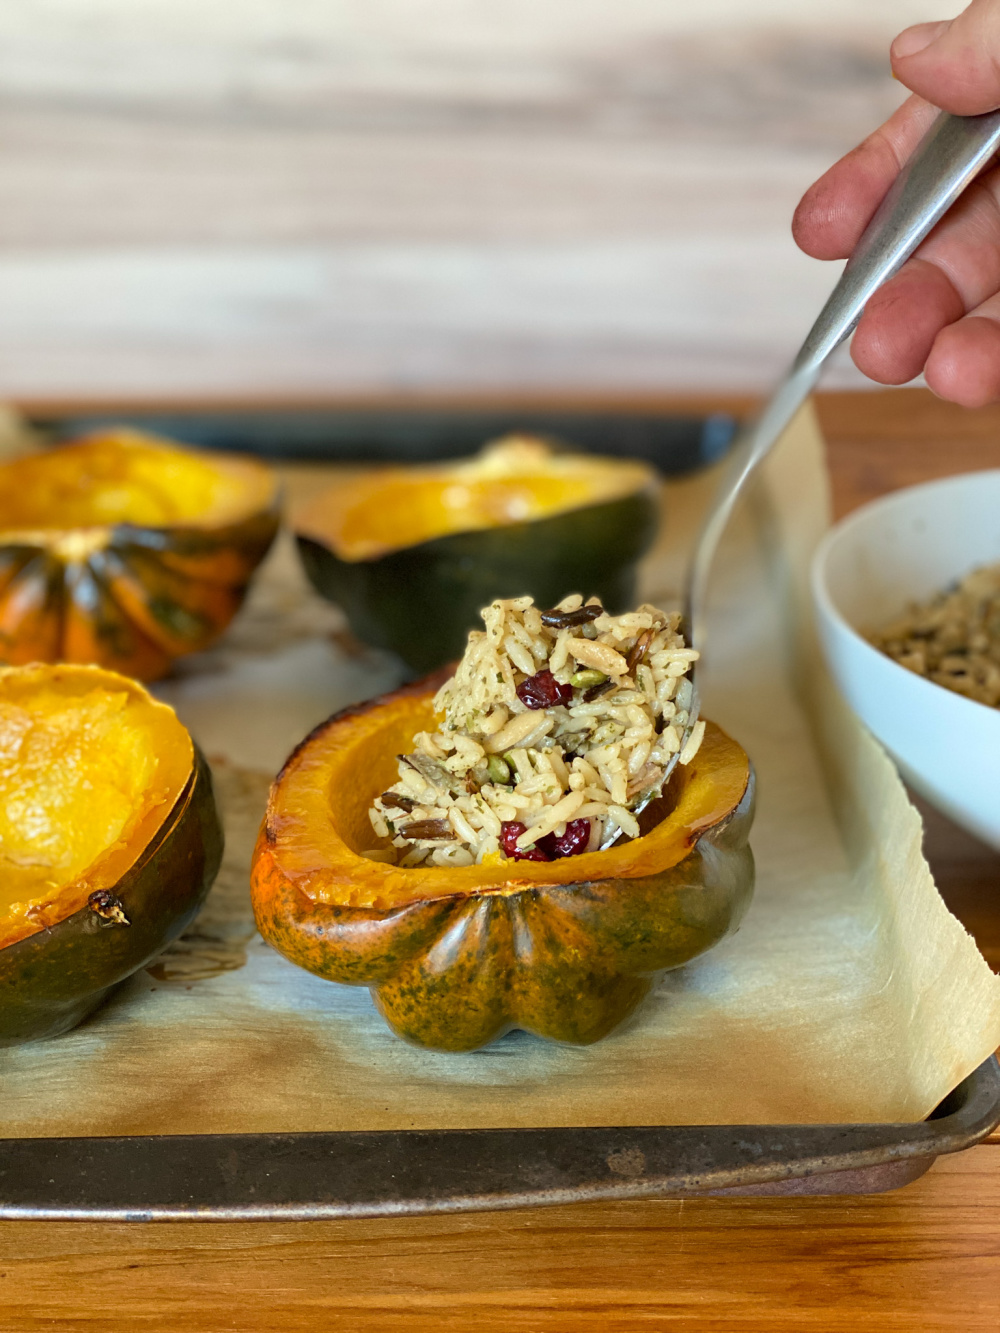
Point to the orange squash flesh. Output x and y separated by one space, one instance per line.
90 766
124 476
125 551
396 508
456 957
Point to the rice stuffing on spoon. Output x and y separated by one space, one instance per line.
555 727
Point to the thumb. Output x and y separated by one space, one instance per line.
955 64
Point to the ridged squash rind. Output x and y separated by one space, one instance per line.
568 961
131 597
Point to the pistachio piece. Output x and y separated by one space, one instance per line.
584 679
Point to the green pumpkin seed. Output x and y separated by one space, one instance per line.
498 770
584 679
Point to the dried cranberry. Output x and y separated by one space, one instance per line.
510 831
573 841
542 690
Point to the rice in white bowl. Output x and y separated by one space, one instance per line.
954 638
555 726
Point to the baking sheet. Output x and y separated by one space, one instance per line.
849 994
389 1173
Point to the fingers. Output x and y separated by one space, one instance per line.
942 306
954 64
901 322
964 364
835 211
955 270
941 313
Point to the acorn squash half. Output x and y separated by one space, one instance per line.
109 840
122 550
412 553
456 957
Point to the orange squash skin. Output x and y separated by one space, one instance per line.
567 961
151 595
133 601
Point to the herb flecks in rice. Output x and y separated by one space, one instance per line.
954 639
554 722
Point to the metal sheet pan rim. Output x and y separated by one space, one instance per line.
403 1173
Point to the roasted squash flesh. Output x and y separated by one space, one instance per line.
90 766
517 482
125 478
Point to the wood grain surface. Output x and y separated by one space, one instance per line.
309 195
924 1258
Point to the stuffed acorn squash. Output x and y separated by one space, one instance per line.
109 840
456 956
411 554
124 551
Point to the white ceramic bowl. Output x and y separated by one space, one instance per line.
900 549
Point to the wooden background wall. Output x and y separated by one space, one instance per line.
342 195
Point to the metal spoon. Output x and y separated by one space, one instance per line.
947 159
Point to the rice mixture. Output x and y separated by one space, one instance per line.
953 640
555 725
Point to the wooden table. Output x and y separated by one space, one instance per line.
924 1258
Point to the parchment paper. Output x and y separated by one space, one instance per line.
849 994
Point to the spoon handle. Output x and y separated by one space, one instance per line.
946 160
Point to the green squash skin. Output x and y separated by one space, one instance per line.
422 601
51 981
568 962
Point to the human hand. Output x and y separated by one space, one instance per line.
941 313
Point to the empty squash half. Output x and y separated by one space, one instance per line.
126 551
412 553
109 839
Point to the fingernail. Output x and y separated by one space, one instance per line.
917 39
